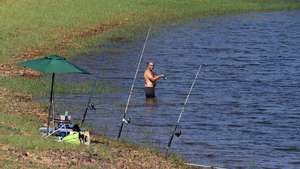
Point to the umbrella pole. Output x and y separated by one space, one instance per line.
51 102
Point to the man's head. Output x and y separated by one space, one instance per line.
150 65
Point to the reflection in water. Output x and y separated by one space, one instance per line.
151 102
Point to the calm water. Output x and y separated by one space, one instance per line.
244 110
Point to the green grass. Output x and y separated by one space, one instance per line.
35 24
22 133
36 85
41 86
28 25
20 124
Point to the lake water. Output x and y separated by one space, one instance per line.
244 109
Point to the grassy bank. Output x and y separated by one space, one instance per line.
21 145
40 86
31 28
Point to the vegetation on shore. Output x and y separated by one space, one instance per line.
40 86
21 145
32 28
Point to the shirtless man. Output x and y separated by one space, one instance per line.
150 79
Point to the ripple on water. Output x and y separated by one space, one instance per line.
243 111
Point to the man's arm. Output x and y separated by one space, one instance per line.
152 77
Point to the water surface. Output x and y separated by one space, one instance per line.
244 109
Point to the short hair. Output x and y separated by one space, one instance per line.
150 61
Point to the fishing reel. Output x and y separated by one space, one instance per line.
126 121
164 77
91 106
178 132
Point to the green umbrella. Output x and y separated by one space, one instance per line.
52 64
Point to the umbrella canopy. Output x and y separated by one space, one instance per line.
52 64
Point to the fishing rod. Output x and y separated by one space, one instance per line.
175 132
124 120
89 105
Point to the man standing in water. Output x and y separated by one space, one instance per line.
150 79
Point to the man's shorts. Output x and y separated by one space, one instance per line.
149 92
